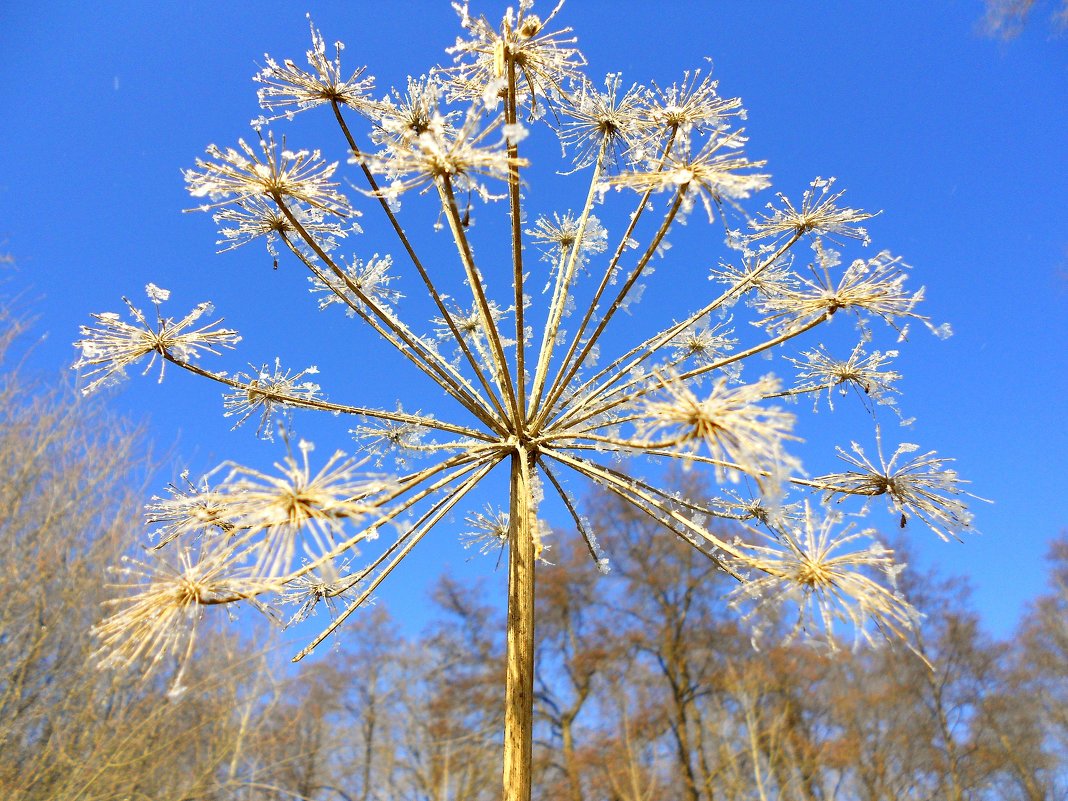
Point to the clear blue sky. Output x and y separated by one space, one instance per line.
961 141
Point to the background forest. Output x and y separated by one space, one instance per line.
649 687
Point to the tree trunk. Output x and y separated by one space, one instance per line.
519 691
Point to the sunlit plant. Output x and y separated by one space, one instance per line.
525 343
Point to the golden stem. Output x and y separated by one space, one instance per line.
519 688
516 214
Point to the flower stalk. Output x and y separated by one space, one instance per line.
519 682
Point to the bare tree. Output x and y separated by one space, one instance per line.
574 647
70 475
1025 720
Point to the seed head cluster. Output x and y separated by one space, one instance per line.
576 384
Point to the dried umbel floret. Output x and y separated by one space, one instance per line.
362 278
818 214
456 156
819 372
272 510
405 115
716 173
868 288
608 122
396 439
487 531
703 343
692 104
536 64
165 600
606 401
246 173
256 217
190 510
732 423
326 585
766 278
561 235
288 88
834 576
923 485
266 392
114 344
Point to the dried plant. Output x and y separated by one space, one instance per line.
528 394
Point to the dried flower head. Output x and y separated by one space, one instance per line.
594 400
692 104
768 278
819 214
398 439
560 235
114 344
922 485
835 577
327 585
487 530
703 343
288 88
190 509
404 116
266 390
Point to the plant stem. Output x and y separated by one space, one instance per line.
438 301
519 688
516 214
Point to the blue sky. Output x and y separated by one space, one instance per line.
961 141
